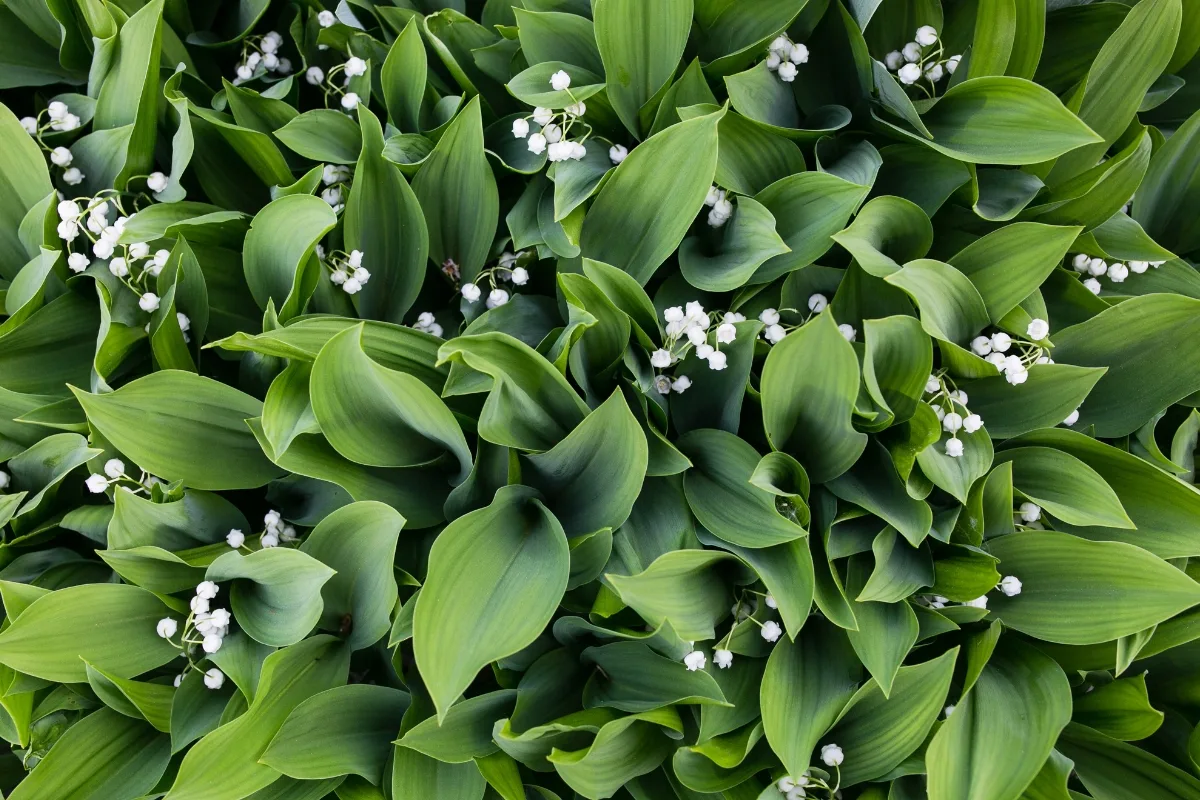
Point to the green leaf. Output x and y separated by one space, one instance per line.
640 45
1161 506
148 421
1002 120
1170 185
629 676
1120 709
532 85
1132 339
1126 66
648 203
322 135
593 476
353 541
1080 592
26 181
1047 397
808 208
530 406
804 689
225 765
721 495
682 587
886 631
973 756
148 701
105 755
280 265
1112 770
276 592
377 416
749 240
385 221
623 749
199 518
897 364
416 776
887 232
357 724
951 307
1065 487
507 562
877 732
458 195
466 731
809 384
874 484
1008 264
110 625
403 78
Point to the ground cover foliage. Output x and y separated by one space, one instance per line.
553 399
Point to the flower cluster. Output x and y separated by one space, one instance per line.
58 117
1015 366
204 630
722 208
426 323
946 403
553 129
742 611
260 55
775 329
1091 269
336 178
508 270
690 328
114 475
133 263
784 56
799 786
346 269
352 68
922 59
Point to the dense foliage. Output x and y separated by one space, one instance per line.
554 399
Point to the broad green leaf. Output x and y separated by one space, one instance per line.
951 307
1120 709
900 569
886 631
760 96
532 85
719 395
496 576
886 233
640 45
322 135
105 755
593 476
416 776
378 416
682 587
1047 397
748 240
1126 66
1080 592
466 731
877 732
1160 505
1171 184
647 205
1132 339
750 158
1112 770
897 364
558 36
357 724
403 78
109 625
225 765
623 749
974 755
26 182
275 593
530 406
629 676
1065 487
150 421
199 518
457 193
874 484
1008 264
720 493
809 383
1002 120
385 222
280 264
809 208
136 699
804 689
358 541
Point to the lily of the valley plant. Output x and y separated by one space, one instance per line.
638 399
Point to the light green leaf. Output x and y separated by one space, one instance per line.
276 592
682 587
280 265
1065 487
